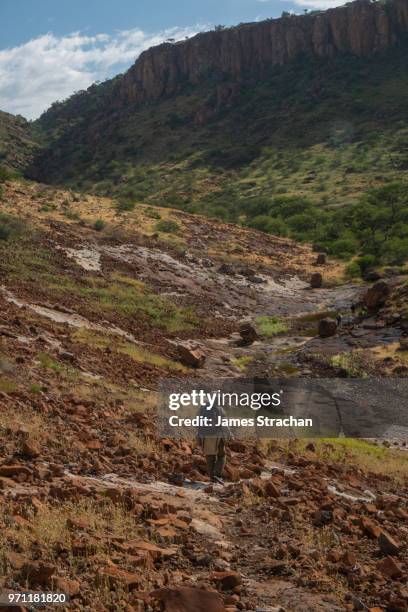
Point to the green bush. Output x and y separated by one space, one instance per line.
167 226
153 214
10 226
4 174
99 225
125 206
353 270
344 247
366 262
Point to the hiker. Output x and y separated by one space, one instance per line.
339 319
212 441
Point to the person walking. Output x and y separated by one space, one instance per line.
211 439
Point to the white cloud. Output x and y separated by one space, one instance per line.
318 4
313 4
50 68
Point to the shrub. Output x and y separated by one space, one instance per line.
10 226
366 262
4 174
167 226
353 270
99 225
270 326
153 214
125 206
344 247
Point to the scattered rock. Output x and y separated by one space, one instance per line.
321 259
227 580
371 276
248 334
38 573
188 600
376 296
31 449
387 544
316 280
389 567
67 586
190 356
115 577
403 346
11 471
327 327
271 490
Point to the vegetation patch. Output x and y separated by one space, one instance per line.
242 362
168 226
271 326
10 226
363 455
354 364
135 352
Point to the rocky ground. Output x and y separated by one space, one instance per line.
97 305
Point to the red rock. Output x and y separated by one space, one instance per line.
31 449
248 334
94 445
327 327
376 296
334 556
156 552
316 280
76 524
188 600
271 490
67 586
387 544
389 567
191 356
227 580
349 559
369 527
11 471
38 573
16 560
257 486
167 533
115 577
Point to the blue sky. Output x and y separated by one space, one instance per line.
51 48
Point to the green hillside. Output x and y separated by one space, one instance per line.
17 143
313 139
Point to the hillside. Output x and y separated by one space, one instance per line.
17 143
322 125
96 305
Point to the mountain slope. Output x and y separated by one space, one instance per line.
17 145
227 123
173 131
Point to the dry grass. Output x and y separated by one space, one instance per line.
135 352
141 445
362 454
50 525
35 425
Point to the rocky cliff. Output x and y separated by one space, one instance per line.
360 28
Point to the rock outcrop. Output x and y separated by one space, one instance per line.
360 28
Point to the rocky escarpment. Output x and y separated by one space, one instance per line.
360 28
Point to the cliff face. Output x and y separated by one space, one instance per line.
360 28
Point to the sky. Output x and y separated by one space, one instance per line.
51 48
